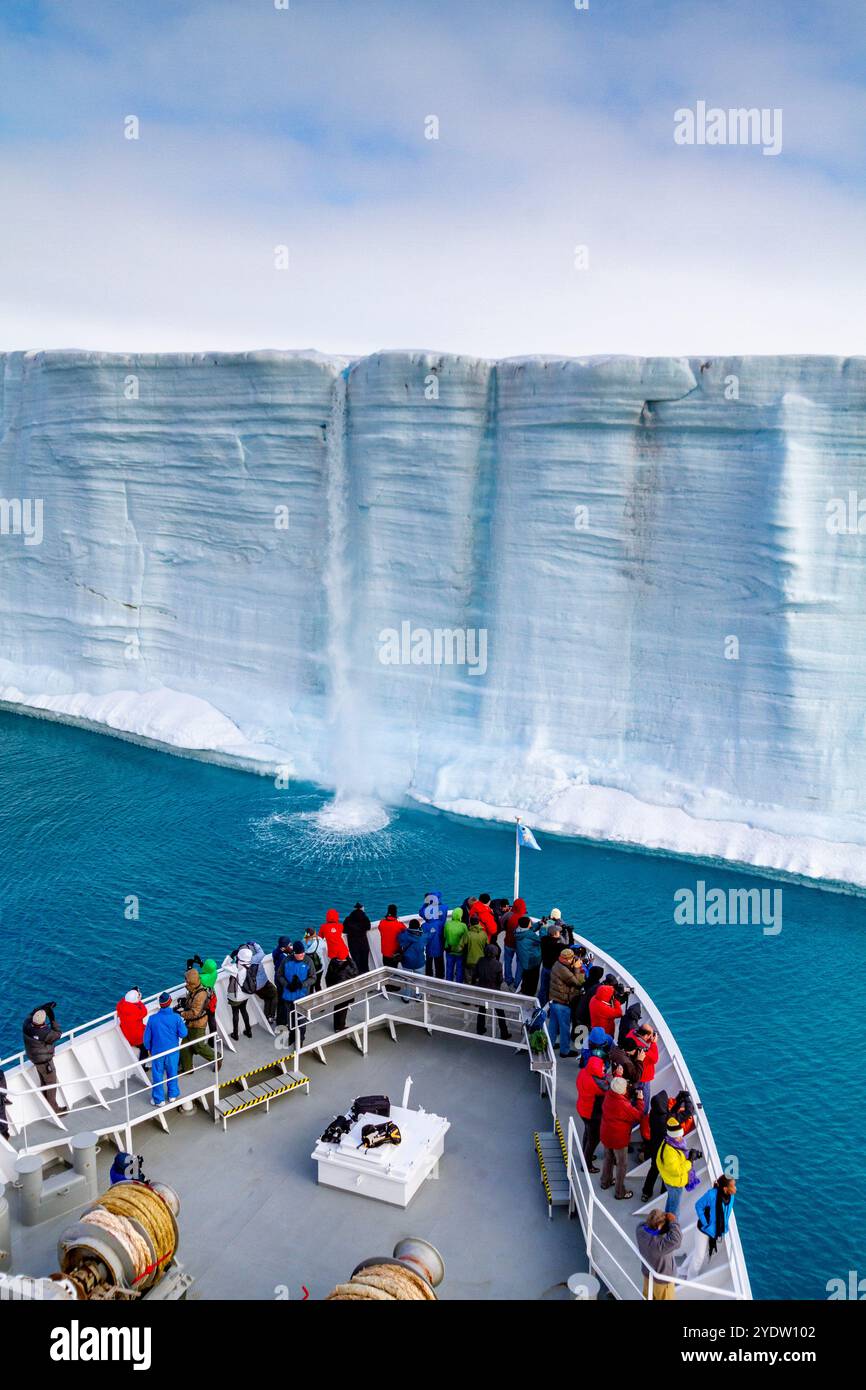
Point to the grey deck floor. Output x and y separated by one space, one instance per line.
253 1217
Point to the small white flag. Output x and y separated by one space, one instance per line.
525 837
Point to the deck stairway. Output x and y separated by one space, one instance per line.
552 1153
264 1089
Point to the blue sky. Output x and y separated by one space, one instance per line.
262 127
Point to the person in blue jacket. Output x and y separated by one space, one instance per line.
527 945
295 977
165 1030
434 914
714 1213
413 952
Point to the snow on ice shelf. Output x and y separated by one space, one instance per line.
673 613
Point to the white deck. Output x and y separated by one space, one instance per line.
485 1087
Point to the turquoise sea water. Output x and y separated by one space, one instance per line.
215 856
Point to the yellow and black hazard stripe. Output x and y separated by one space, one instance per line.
259 1100
562 1143
543 1166
253 1071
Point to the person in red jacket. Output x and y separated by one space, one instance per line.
604 1009
593 1080
132 1019
618 1116
481 907
331 932
509 925
390 928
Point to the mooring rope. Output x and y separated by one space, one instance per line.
385 1284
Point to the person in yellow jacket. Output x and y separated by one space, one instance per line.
674 1162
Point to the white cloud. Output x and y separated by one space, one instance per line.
255 134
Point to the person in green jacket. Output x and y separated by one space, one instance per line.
476 940
456 936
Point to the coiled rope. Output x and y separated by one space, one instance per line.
384 1283
129 1201
126 1235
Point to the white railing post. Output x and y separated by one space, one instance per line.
128 1123
218 1057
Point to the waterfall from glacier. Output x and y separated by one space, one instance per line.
354 809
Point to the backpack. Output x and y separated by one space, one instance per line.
371 1105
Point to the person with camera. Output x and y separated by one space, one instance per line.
646 1040
565 981
40 1037
253 978
164 1033
627 1060
658 1239
619 1115
606 1005
553 943
317 957
675 1164
593 975
195 1010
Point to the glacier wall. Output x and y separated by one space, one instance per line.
674 617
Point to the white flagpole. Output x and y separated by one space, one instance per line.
516 862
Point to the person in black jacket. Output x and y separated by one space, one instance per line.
658 1118
40 1036
593 980
488 975
629 1020
355 929
552 942
337 973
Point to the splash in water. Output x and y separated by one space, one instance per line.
351 816
344 832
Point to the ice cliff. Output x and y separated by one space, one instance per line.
263 555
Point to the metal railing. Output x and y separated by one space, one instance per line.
127 1121
668 1045
607 1252
434 997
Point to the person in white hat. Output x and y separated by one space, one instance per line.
556 916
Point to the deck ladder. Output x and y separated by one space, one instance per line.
552 1156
